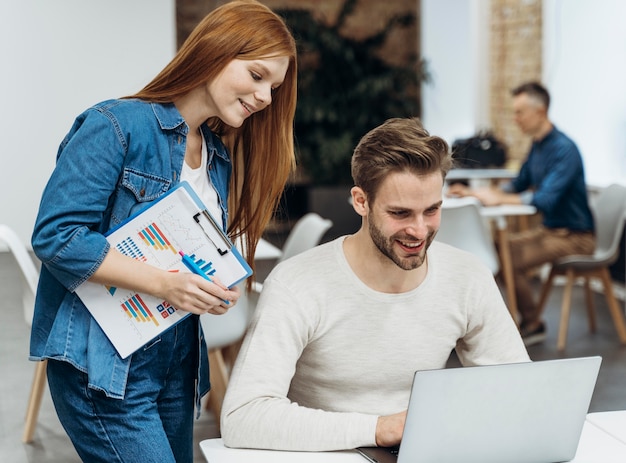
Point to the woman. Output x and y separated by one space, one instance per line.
219 115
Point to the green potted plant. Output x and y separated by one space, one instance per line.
345 89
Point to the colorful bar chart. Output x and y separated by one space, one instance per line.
137 310
155 238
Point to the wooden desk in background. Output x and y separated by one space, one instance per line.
500 215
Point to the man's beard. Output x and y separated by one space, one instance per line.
386 246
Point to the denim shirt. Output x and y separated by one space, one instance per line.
118 157
553 180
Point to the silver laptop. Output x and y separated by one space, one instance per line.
514 413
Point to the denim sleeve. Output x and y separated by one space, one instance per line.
564 166
522 182
68 234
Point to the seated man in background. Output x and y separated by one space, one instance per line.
339 330
553 180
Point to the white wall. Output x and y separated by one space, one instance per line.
455 104
584 67
585 70
58 58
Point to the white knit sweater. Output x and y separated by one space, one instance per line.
326 354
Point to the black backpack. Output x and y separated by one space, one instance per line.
478 152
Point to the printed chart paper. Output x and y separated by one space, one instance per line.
176 222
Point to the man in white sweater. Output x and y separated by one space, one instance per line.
340 330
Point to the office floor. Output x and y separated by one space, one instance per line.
51 445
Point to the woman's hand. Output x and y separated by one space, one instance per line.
192 293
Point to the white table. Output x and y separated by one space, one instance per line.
481 174
215 452
499 215
596 446
613 423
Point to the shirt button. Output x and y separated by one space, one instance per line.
142 192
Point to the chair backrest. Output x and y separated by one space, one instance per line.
223 330
609 211
463 227
305 234
29 270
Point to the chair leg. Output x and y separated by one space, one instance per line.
230 353
616 313
591 311
545 292
565 310
34 401
219 382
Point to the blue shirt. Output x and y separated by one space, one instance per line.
553 180
119 156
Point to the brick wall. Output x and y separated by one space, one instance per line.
369 17
515 45
515 57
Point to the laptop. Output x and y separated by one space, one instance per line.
530 412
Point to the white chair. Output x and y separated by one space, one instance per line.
609 210
463 227
30 273
307 233
223 334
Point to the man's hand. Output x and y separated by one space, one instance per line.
489 196
389 429
459 190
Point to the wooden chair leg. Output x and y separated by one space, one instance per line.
545 292
219 382
565 310
616 313
34 401
230 353
591 311
506 268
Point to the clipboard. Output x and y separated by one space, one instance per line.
177 222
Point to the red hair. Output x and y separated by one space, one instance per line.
262 149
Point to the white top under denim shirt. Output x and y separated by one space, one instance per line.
202 184
118 157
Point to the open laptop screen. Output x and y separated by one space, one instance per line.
530 412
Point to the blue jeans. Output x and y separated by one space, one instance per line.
154 421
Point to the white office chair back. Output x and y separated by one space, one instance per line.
463 227
609 210
305 234
28 269
223 330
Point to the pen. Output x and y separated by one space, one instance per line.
191 265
